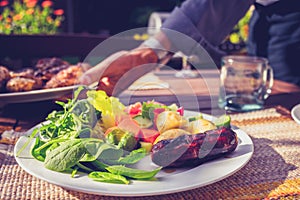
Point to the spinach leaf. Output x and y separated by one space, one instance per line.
108 177
132 173
109 152
92 151
133 157
83 167
102 151
99 165
65 156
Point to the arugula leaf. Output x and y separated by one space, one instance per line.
33 134
45 145
77 92
74 171
41 154
68 123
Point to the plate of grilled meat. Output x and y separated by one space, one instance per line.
50 78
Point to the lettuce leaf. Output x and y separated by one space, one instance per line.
110 107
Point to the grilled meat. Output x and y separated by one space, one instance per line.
47 73
65 77
4 77
194 149
24 73
48 67
20 84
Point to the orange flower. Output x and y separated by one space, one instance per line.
31 3
244 32
8 20
46 4
30 11
246 29
7 26
49 20
17 17
3 3
58 12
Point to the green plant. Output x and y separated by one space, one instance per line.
29 17
240 31
61 147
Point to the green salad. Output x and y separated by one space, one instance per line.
100 136
72 140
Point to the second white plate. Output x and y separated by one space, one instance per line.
296 113
36 95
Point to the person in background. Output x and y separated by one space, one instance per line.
274 33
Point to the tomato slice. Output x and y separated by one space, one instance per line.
180 111
134 109
128 124
148 135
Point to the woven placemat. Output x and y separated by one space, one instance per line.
272 173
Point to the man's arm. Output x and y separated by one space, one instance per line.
207 22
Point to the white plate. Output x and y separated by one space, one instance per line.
296 113
36 95
167 181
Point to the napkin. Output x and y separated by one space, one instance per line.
148 82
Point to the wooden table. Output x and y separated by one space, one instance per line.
196 94
199 94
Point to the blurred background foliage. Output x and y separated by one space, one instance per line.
29 17
240 31
100 18
107 17
78 16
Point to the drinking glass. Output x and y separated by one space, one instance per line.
245 83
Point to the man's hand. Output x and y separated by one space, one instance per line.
117 72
